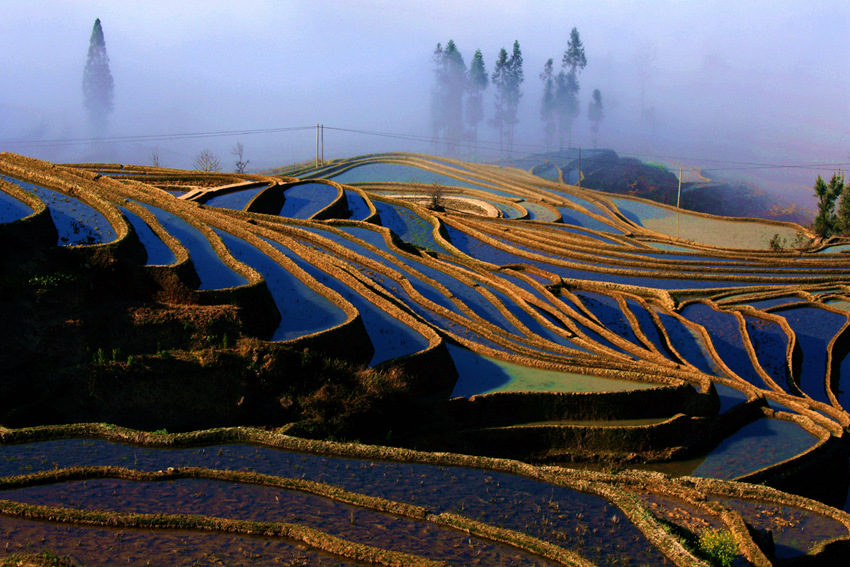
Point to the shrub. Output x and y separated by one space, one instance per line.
436 194
719 547
207 162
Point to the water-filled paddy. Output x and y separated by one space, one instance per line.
390 337
485 252
770 343
559 515
479 374
760 444
408 225
814 328
795 531
577 218
235 200
774 302
212 271
76 222
607 310
727 340
159 254
106 547
706 230
302 310
647 326
357 205
12 209
389 172
305 200
539 212
266 504
688 343
835 249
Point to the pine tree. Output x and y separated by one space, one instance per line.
547 104
566 96
477 82
447 98
595 113
499 79
566 105
826 221
98 86
515 79
507 77
843 215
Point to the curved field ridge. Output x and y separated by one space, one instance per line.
546 322
77 222
574 517
12 209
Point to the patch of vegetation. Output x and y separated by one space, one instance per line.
42 559
778 243
52 280
719 547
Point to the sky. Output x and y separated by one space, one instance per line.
728 84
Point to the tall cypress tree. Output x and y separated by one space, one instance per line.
98 87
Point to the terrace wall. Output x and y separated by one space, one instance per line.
679 437
503 408
268 201
431 372
258 310
348 341
36 229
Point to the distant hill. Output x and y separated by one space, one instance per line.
604 170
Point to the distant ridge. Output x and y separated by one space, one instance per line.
605 170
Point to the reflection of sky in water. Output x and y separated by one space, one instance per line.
304 201
11 209
493 497
760 444
727 340
389 336
76 222
408 225
212 271
357 205
235 200
158 253
814 328
302 310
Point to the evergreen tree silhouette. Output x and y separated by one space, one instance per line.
98 86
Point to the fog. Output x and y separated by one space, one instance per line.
728 84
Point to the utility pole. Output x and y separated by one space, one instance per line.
323 144
678 201
317 145
579 168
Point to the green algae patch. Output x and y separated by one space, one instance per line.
480 374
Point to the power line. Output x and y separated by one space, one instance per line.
152 137
485 145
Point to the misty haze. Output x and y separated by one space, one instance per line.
374 282
716 85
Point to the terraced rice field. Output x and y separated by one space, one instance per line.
576 328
